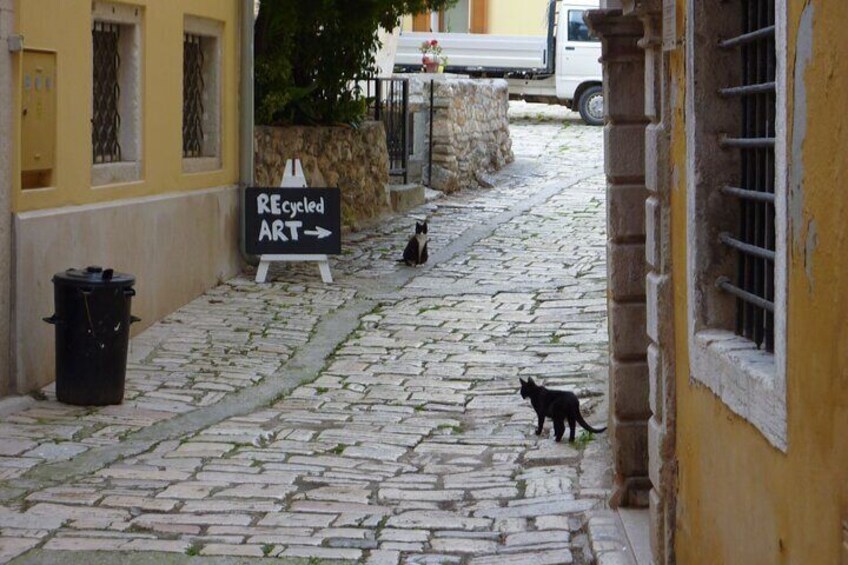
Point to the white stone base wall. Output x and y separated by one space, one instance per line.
177 246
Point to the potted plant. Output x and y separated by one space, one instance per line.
431 56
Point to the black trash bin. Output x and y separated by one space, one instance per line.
92 322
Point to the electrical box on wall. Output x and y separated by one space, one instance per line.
38 118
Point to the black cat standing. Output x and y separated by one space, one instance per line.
416 250
558 405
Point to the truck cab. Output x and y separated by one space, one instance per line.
578 67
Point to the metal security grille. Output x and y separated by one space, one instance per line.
192 96
106 116
754 241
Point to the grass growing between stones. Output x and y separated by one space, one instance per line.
194 549
583 439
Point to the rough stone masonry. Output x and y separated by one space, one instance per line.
470 131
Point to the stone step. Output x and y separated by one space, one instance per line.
405 197
620 537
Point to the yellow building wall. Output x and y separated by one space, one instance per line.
510 17
64 26
740 501
527 17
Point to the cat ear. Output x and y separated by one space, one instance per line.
424 227
530 381
522 381
417 227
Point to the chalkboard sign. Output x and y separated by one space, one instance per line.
286 221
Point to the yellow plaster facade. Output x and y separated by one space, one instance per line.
740 500
64 27
509 17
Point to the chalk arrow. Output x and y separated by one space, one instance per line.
319 232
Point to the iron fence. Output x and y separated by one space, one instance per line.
388 102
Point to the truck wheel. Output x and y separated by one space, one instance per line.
591 106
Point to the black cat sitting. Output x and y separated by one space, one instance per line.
416 250
558 405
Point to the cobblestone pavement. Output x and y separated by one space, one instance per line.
374 420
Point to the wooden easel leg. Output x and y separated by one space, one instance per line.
262 271
326 275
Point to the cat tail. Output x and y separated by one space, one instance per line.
587 427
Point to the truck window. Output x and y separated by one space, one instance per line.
577 28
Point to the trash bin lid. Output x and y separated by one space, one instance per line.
94 276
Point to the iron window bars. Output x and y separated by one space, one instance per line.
754 242
193 86
106 116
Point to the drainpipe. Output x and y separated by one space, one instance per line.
246 135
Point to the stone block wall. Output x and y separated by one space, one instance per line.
356 160
662 457
638 117
470 131
624 160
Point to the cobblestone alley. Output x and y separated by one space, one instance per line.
374 420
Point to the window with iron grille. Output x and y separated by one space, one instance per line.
736 116
201 127
106 117
116 102
754 240
193 89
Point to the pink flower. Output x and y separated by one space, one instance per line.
433 42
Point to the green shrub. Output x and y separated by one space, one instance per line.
307 53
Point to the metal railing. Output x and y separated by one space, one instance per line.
388 102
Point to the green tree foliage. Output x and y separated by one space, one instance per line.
308 52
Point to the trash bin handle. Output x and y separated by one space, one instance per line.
53 320
129 292
134 319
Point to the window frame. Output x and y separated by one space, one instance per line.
749 381
211 33
130 18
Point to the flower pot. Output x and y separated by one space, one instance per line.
431 66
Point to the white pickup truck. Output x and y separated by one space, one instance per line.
561 68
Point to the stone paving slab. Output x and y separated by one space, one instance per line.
411 444
233 337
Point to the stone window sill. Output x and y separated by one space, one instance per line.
749 381
194 165
115 173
